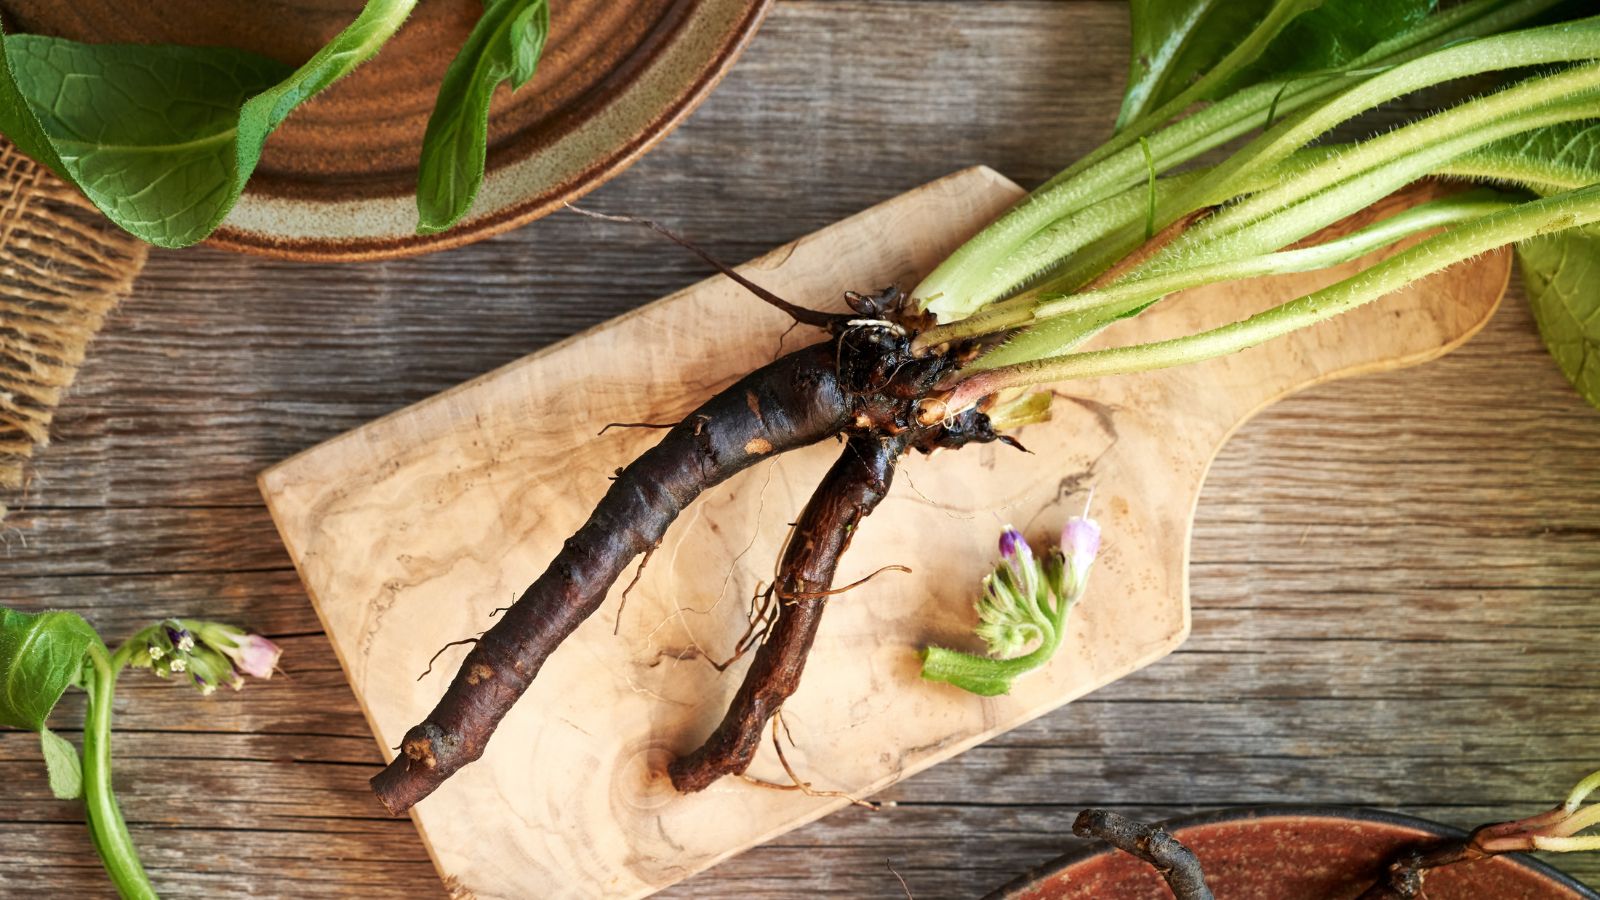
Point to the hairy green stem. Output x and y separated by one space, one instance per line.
106 826
1519 223
1376 169
1553 44
1568 42
1460 23
1137 291
982 675
1384 163
982 270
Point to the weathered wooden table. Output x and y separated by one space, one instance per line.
1396 580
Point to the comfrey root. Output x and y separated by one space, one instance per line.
863 383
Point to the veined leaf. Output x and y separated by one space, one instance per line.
41 655
1332 35
1177 41
163 138
505 44
1218 46
1562 273
62 762
147 133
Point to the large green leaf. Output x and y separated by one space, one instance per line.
1562 272
504 45
41 655
1217 46
146 132
163 138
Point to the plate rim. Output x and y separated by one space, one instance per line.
615 159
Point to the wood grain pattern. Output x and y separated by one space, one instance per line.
1394 578
410 531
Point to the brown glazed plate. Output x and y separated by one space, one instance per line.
337 180
1293 853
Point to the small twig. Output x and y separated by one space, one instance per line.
798 313
470 640
1403 876
1178 865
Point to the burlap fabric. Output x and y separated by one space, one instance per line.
63 267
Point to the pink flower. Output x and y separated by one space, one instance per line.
253 655
1080 544
247 654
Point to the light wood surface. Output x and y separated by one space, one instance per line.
411 531
1394 578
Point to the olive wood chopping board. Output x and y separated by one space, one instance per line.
409 533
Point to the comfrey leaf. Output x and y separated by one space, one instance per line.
504 45
41 655
163 138
1562 273
1229 44
66 769
1330 35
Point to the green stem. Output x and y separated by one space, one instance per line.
982 675
1132 292
1136 292
1462 22
981 270
1375 167
1553 44
106 826
1568 42
1581 792
1375 171
1464 242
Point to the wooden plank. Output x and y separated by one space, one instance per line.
220 364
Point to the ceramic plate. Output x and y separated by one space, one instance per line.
337 181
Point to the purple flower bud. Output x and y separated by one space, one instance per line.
1012 543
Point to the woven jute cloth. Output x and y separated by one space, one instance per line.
63 267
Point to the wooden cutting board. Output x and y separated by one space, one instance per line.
410 531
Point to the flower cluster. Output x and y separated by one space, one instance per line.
1023 609
209 654
1025 599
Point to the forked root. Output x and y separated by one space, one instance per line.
863 383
